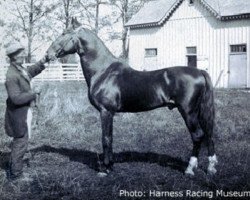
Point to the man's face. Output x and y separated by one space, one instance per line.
20 58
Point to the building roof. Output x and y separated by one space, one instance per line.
153 12
227 8
156 12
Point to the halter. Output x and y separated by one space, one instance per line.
72 37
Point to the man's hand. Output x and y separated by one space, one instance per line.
44 59
37 90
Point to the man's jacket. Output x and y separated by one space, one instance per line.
19 98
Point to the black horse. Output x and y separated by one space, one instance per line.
113 86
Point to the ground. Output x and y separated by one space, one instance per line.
152 150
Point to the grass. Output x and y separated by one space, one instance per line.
151 149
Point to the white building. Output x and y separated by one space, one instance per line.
209 34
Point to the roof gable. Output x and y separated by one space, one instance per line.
226 8
156 12
153 12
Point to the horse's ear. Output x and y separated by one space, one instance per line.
75 23
71 23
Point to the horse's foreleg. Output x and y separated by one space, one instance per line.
107 139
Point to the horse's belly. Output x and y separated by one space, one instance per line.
144 96
140 103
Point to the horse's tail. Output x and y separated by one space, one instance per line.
206 111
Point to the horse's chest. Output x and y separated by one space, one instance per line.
105 94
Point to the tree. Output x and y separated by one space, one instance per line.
126 9
37 21
28 21
65 11
92 12
88 11
62 15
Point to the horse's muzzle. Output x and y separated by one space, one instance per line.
51 56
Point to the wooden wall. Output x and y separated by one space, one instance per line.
191 26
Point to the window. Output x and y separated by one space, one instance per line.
239 48
191 56
191 50
152 52
191 2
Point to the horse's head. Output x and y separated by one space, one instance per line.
67 43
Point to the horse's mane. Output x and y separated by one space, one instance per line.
97 39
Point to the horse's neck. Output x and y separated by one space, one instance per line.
94 68
97 58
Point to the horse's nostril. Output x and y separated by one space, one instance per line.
51 57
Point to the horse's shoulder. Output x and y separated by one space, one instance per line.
118 64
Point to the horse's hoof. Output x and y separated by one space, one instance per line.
102 174
189 172
193 164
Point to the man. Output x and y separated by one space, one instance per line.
18 113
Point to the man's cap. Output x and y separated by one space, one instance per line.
13 48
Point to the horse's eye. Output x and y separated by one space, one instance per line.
65 32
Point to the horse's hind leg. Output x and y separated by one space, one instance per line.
211 157
107 140
208 130
197 135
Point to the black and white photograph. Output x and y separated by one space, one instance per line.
124 99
